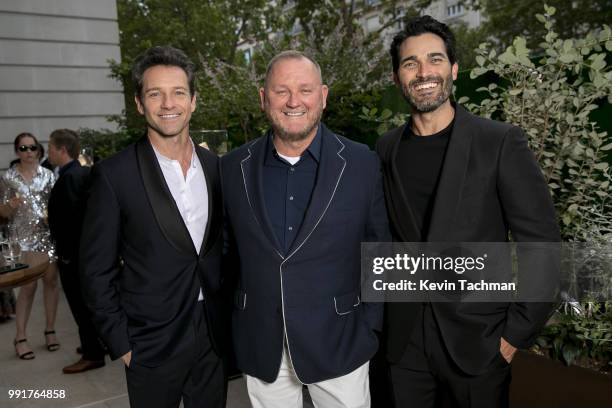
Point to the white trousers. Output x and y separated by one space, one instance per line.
349 391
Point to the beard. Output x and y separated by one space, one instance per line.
287 135
430 103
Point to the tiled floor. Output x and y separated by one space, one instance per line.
101 388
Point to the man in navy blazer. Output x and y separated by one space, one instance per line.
299 201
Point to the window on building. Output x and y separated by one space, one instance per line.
400 13
454 10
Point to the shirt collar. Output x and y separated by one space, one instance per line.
314 149
66 166
166 160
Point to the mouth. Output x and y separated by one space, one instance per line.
425 87
294 114
169 116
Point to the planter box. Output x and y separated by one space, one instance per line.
541 382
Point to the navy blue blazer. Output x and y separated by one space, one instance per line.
313 292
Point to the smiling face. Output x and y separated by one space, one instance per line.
425 74
165 101
293 99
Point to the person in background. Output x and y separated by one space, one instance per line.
27 194
7 297
66 212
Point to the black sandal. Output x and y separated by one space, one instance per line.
52 346
28 355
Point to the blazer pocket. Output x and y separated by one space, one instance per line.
345 304
240 299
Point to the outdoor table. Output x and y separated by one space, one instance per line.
37 265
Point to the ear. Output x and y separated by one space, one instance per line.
139 104
396 80
193 102
325 92
262 99
455 70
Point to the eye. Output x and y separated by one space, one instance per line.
307 91
410 65
180 92
153 94
281 92
436 60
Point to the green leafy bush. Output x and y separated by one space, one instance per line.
552 100
552 97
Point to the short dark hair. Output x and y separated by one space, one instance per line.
67 138
162 55
423 25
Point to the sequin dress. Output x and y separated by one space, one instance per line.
29 224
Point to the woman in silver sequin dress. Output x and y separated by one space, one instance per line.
27 194
7 298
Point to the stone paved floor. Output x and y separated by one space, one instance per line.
101 388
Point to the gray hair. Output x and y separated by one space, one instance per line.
290 54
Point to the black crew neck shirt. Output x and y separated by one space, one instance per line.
419 162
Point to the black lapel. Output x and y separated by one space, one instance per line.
404 221
164 208
329 174
452 178
252 174
211 174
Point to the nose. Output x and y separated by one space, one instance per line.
423 70
293 100
167 101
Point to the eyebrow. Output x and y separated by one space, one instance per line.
159 88
430 55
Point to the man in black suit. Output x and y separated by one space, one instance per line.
66 210
453 177
300 200
151 247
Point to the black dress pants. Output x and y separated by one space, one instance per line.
90 343
427 377
195 375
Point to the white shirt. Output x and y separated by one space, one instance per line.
290 159
190 195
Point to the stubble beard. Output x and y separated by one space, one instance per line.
291 137
164 134
428 105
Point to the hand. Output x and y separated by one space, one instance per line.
15 202
127 358
507 350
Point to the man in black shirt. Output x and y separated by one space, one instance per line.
452 177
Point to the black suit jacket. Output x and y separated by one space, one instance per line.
67 209
312 292
141 273
490 185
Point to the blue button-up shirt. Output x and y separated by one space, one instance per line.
287 189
